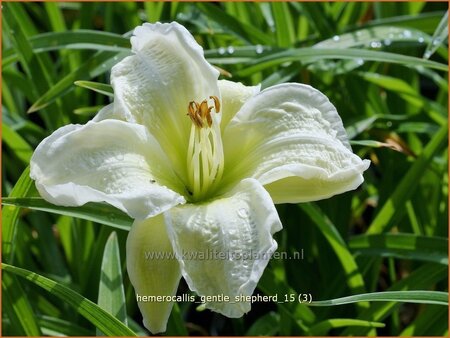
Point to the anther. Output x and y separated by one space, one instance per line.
216 103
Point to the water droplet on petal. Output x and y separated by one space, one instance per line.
259 49
387 42
420 39
230 49
336 38
243 213
359 62
407 33
221 51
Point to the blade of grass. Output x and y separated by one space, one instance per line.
317 17
10 215
96 212
176 325
111 294
407 246
394 207
422 278
88 110
432 322
17 144
426 22
323 328
57 327
153 10
355 280
93 313
246 32
18 307
101 88
385 35
267 325
77 39
98 64
284 26
439 37
409 296
34 65
311 55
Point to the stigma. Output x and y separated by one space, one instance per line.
205 159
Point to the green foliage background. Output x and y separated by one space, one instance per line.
389 235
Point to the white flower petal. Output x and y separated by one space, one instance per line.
107 112
234 95
154 86
153 270
291 139
224 245
109 161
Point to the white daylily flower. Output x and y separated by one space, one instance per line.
198 163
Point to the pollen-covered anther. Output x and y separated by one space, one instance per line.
200 113
216 103
193 112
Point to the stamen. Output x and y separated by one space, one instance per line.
216 103
205 151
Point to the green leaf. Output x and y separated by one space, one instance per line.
317 17
432 322
16 143
176 325
354 278
311 55
394 207
77 39
111 294
10 215
406 92
440 36
423 277
92 312
267 325
323 328
57 327
35 66
98 64
96 212
18 307
425 21
244 31
407 246
376 36
101 88
284 26
88 110
422 296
